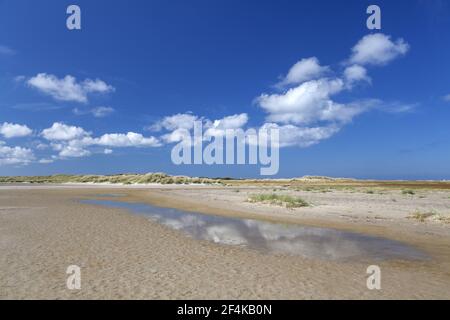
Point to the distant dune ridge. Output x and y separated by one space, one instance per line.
159 178
166 179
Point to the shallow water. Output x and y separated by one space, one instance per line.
311 242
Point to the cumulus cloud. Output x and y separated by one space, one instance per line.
73 152
61 131
97 85
15 155
11 130
231 122
377 49
308 112
131 139
308 103
68 88
356 73
180 125
218 127
304 70
176 135
291 135
72 141
177 121
41 146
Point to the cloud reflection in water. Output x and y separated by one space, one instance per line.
311 242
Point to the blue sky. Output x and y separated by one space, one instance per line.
348 101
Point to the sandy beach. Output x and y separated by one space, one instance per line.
45 229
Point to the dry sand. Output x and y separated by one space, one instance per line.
43 230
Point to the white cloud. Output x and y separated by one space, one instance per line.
180 126
7 50
98 112
131 139
15 155
176 136
303 137
73 152
217 128
11 130
61 131
308 113
447 98
68 88
308 103
305 114
101 112
356 73
231 122
71 141
311 103
177 121
96 85
42 146
394 107
304 70
377 49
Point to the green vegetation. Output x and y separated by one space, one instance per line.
280 200
319 189
408 192
127 179
433 215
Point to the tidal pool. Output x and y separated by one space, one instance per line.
311 242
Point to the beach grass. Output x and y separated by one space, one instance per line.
422 216
430 215
127 179
279 199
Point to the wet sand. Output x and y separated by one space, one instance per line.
43 230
